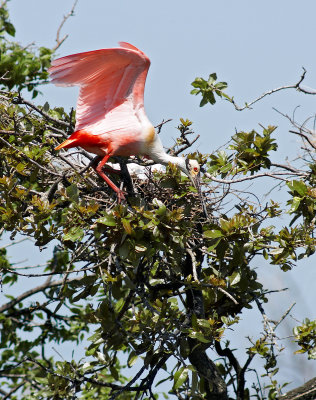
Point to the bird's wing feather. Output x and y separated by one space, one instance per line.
107 78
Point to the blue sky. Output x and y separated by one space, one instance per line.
254 46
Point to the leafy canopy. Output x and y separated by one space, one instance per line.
148 284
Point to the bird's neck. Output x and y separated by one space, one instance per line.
157 153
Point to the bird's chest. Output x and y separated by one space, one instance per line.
134 140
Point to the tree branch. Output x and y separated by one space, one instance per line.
215 385
269 92
60 41
304 392
28 158
37 289
21 100
275 175
303 131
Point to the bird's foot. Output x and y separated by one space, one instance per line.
120 196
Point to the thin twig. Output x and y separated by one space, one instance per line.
303 131
301 134
269 92
159 126
35 290
28 158
59 41
21 100
194 264
17 387
221 290
275 175
285 314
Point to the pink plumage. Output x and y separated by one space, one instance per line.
110 115
111 98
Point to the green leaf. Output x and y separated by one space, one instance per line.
73 193
75 233
20 167
212 234
180 377
161 207
195 381
295 203
108 220
132 359
234 278
127 226
124 249
9 28
298 186
46 107
203 102
199 336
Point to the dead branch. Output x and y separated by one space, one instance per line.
302 135
159 126
296 86
60 41
37 289
304 392
303 131
21 100
187 145
275 175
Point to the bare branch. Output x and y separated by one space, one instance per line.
163 122
40 288
285 314
287 167
220 289
187 145
275 175
8 132
269 92
79 172
60 41
304 392
194 264
21 100
301 134
17 387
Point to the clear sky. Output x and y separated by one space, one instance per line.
253 45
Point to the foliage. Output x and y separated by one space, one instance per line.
21 66
305 336
146 284
208 89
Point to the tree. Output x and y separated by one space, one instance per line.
153 282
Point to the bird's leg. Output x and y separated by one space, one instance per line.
107 168
94 163
98 169
126 178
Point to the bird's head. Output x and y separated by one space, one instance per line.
192 169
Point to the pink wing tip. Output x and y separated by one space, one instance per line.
129 46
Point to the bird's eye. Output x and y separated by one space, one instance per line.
196 169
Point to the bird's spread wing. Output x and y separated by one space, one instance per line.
107 78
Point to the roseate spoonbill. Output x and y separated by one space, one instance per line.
111 119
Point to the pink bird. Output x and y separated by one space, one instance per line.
110 118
